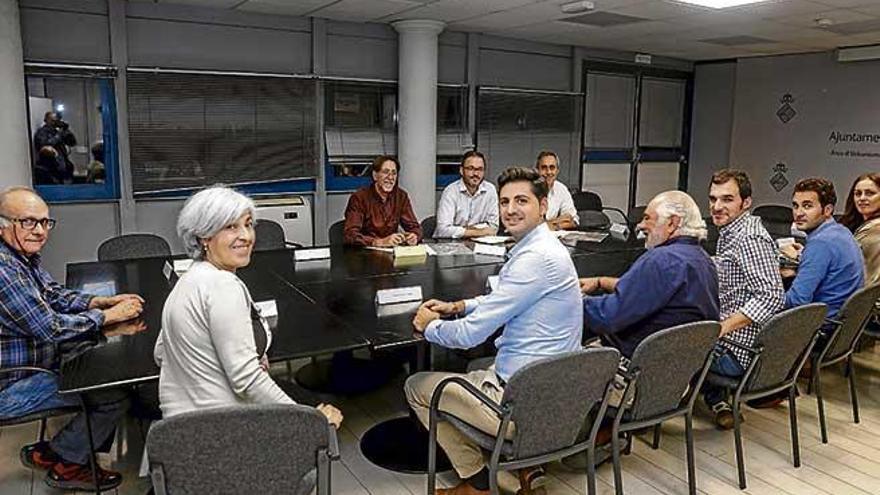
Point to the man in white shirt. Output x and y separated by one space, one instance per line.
561 213
469 206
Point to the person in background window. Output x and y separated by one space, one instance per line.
862 217
376 213
469 206
96 172
56 134
47 170
561 213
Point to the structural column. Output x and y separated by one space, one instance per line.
417 111
15 168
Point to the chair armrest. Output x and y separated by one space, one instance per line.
751 350
468 386
627 374
292 244
333 444
35 369
832 321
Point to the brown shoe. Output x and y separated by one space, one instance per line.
532 481
463 488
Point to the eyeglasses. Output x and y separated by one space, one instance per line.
387 173
474 169
31 223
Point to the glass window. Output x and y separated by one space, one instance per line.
191 130
72 121
662 112
453 138
610 102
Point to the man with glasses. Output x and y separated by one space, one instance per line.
469 206
377 213
37 316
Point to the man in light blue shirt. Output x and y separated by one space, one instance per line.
831 266
469 206
537 301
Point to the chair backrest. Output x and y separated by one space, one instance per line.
776 219
854 315
586 200
131 246
269 235
240 449
667 362
635 214
552 397
336 233
784 340
428 226
591 219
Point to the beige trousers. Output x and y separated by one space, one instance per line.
465 455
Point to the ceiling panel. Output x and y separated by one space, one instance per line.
457 10
364 10
282 7
836 16
218 4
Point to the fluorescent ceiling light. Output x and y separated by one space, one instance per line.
720 4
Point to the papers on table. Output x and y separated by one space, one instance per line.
447 249
576 236
106 289
179 267
493 239
490 249
399 295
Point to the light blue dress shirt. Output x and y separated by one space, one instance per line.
537 301
830 270
458 209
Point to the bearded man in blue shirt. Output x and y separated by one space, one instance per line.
537 301
673 283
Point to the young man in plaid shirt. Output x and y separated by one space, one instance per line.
37 315
750 287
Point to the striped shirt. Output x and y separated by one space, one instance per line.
748 278
36 314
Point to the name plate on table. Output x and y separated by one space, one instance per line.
179 267
310 254
784 241
490 249
418 251
399 295
396 309
619 231
492 283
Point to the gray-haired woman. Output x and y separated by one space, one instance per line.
212 347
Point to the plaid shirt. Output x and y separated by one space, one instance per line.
748 278
37 313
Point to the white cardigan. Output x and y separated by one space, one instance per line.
206 349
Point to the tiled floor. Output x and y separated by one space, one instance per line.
850 463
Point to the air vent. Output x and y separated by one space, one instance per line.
603 19
857 27
737 40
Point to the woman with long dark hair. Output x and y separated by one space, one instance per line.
862 217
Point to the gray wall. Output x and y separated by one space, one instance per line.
827 97
170 36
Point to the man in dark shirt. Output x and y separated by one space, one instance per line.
673 283
375 213
55 134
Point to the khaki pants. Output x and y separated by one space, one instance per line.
465 455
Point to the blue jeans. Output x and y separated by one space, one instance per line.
39 392
724 364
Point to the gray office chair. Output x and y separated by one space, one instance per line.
663 380
242 449
270 235
779 353
336 233
841 339
575 383
429 224
131 246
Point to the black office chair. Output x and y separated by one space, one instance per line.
777 219
429 224
270 235
593 215
131 246
635 214
336 233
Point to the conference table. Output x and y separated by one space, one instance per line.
325 307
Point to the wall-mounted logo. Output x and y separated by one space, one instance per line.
786 112
778 180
